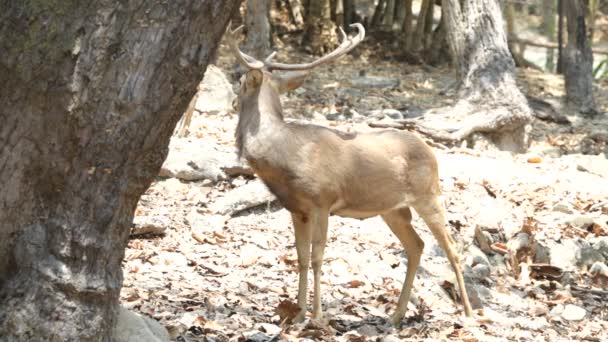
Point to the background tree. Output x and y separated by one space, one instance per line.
259 36
90 94
319 29
578 59
490 101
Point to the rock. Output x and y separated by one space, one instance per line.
373 82
391 338
599 135
214 92
247 196
481 271
600 244
476 256
552 152
133 327
150 225
483 239
563 207
256 336
381 113
200 159
589 255
333 116
573 313
518 242
599 274
581 221
563 255
270 329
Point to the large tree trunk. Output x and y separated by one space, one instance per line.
490 102
319 30
578 59
90 94
259 38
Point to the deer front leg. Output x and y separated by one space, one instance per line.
303 233
319 240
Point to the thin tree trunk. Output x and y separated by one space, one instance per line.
407 24
418 40
578 59
349 10
90 94
428 25
378 13
389 16
560 36
320 29
549 31
259 38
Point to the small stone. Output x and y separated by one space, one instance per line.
553 152
270 329
256 336
563 255
563 207
374 82
538 309
333 116
581 221
481 271
588 255
150 225
573 313
391 338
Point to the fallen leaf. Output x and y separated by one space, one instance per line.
355 283
287 311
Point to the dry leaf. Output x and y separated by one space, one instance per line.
534 160
355 283
287 311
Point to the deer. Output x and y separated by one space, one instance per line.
315 172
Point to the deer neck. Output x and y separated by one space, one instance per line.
260 119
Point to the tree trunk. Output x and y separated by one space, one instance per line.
549 31
407 24
90 94
389 16
578 59
349 11
319 32
418 41
560 36
490 101
259 38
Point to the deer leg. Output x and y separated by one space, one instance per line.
432 213
319 239
302 229
400 223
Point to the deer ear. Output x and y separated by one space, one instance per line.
253 78
289 80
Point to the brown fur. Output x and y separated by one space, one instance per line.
316 171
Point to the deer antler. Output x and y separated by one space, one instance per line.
243 58
348 43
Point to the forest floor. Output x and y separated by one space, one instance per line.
532 230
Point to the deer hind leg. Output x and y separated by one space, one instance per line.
303 232
319 240
400 223
431 212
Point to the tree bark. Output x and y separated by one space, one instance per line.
319 33
490 101
578 59
418 41
549 31
259 38
560 36
407 24
90 94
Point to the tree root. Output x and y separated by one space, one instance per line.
503 125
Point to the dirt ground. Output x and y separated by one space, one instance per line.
525 225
